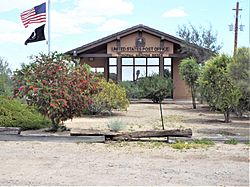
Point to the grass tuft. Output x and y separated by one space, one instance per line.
203 143
231 142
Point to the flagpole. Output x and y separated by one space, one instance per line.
48 41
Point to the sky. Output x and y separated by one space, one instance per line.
77 22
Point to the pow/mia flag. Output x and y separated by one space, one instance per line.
37 35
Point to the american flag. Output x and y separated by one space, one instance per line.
34 15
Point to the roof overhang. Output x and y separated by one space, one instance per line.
138 28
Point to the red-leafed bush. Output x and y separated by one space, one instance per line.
58 88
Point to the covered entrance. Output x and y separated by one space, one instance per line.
133 53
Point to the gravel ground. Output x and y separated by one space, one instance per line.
70 164
133 163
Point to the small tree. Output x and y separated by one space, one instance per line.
5 78
218 86
190 71
240 71
58 88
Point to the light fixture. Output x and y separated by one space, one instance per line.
91 59
75 53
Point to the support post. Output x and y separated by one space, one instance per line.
236 27
162 123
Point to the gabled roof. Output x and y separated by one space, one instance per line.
123 33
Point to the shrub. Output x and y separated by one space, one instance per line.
155 87
110 96
133 91
218 87
56 86
116 125
15 114
239 70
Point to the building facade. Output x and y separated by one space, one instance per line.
133 53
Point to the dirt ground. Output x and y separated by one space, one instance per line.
133 163
71 164
146 116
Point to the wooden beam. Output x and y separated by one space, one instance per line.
10 130
154 134
96 55
131 135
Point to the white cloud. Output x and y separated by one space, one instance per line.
113 25
74 20
176 12
94 12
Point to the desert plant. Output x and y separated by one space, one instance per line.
13 113
59 89
116 125
109 96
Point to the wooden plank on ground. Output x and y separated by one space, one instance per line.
153 134
132 135
91 132
10 130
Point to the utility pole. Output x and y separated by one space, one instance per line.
237 9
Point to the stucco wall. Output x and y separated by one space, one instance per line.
150 41
181 90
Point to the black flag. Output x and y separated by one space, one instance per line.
37 35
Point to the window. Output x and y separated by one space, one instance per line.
97 70
134 68
168 67
113 69
127 73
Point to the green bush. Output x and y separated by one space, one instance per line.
110 96
132 89
15 114
154 87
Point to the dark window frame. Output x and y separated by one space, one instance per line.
116 66
146 65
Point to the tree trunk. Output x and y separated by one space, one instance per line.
227 115
55 125
193 97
